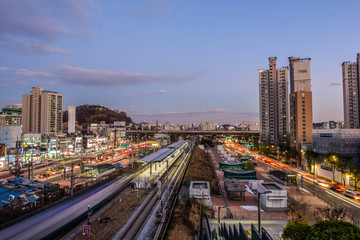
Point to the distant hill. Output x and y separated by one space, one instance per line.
86 114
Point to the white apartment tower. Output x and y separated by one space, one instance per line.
273 104
42 112
71 119
351 81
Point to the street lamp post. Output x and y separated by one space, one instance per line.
219 217
88 215
259 208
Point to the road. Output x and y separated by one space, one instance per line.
51 219
334 199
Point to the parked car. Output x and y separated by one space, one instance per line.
352 193
336 188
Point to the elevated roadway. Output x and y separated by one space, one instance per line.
192 132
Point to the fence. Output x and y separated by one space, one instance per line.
232 232
355 220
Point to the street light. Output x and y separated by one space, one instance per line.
88 215
219 217
259 208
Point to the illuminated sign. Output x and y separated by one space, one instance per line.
326 135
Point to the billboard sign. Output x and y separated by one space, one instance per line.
2 149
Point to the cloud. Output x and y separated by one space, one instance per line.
32 47
334 84
33 26
132 107
4 69
161 91
249 114
31 74
104 78
70 75
184 113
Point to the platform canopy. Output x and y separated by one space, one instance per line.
163 153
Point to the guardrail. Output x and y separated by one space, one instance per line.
354 219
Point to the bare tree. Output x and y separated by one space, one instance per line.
328 213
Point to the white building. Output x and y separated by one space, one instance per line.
208 126
9 135
273 104
71 119
201 191
341 141
276 200
351 80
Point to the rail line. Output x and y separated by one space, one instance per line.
137 221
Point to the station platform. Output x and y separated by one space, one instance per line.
159 162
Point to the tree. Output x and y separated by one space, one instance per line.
249 165
343 165
327 213
295 231
340 230
354 169
323 230
311 158
331 161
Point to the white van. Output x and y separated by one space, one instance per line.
352 193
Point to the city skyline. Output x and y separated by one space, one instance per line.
173 61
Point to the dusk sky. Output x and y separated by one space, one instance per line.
177 61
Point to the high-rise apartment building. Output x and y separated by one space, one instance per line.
273 104
71 119
351 91
301 120
42 112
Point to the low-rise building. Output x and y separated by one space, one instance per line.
9 135
340 141
201 191
276 199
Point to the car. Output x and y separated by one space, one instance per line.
336 188
322 183
43 175
352 193
340 186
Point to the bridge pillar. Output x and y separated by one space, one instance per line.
150 169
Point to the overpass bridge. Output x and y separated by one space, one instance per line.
194 132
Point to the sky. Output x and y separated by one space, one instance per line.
174 61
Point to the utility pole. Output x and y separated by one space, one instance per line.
72 179
132 157
8 158
72 172
17 165
114 145
31 164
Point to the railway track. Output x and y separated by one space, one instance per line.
137 221
135 224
